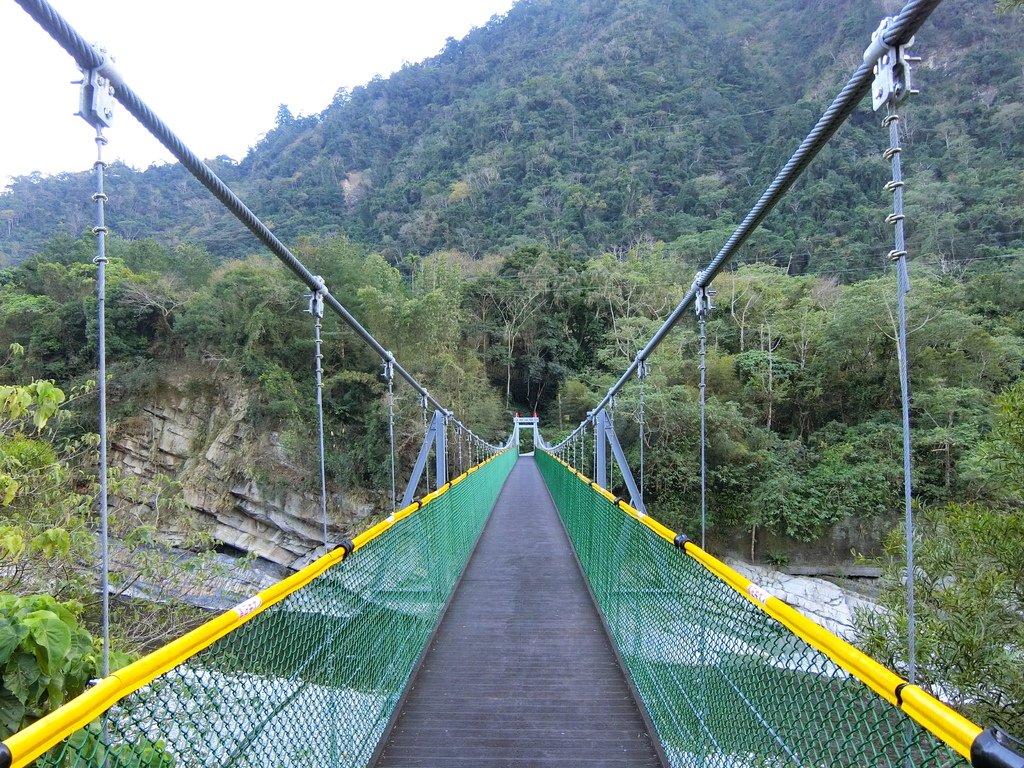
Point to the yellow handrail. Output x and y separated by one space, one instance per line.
32 741
930 713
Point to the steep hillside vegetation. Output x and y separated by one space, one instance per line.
595 125
522 211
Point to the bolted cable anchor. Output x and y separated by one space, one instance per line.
316 299
96 97
702 304
388 367
892 83
643 368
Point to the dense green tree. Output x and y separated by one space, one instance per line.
48 494
45 655
969 584
523 211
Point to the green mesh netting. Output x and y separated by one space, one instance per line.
724 683
313 680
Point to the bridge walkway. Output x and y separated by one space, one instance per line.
520 671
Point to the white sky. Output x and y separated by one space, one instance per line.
214 70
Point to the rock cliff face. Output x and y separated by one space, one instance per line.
831 606
239 482
254 499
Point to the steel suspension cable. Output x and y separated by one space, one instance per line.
89 58
100 230
444 444
641 373
389 375
703 306
899 32
585 454
426 468
316 309
899 255
609 460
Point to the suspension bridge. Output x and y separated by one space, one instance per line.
520 613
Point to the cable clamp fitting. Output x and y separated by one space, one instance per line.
96 98
891 152
643 369
702 304
316 298
892 84
680 541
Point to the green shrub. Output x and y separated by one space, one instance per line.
45 656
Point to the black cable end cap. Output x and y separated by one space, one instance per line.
681 540
346 544
5 756
995 748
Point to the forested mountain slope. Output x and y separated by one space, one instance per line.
514 218
591 125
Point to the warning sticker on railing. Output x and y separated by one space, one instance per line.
250 605
758 594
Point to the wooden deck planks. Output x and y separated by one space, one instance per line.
521 671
